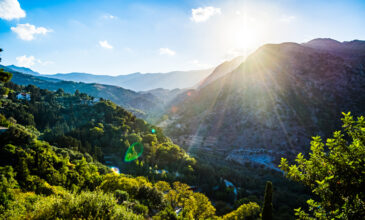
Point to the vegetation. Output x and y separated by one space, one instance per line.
41 181
335 171
267 209
49 168
4 76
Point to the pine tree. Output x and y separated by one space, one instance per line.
4 76
267 209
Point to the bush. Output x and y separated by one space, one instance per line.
140 209
121 196
166 214
86 205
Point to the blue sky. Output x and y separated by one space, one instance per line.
124 36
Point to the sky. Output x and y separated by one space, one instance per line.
115 37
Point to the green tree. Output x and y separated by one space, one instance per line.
335 171
267 209
246 211
4 76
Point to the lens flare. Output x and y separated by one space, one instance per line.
115 170
133 152
153 131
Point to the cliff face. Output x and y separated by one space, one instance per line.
277 99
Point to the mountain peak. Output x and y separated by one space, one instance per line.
22 70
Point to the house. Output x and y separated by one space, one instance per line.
23 96
3 129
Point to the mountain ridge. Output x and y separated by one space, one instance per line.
288 91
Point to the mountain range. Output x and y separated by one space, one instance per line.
275 100
139 103
139 81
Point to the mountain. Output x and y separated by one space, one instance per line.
22 70
139 81
221 71
274 101
353 52
139 103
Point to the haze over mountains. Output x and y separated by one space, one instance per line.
276 100
141 81
138 103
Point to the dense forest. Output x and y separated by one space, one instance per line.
41 181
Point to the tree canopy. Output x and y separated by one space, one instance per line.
335 172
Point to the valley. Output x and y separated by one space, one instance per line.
224 137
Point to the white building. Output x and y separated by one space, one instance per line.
23 96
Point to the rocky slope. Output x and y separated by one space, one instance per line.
277 99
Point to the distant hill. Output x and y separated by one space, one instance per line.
22 70
139 81
276 100
139 103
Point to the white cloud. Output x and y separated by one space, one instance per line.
203 14
198 64
29 61
109 16
105 44
287 18
10 9
25 61
27 31
167 51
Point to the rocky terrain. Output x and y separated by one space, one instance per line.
277 99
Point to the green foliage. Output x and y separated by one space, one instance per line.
267 209
121 196
166 214
4 76
4 91
86 205
245 211
140 209
82 132
97 128
335 172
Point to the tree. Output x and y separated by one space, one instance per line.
4 76
267 209
204 209
335 173
246 211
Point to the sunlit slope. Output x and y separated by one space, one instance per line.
277 99
221 71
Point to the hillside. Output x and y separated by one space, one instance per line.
139 81
139 103
40 181
101 130
272 103
221 70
